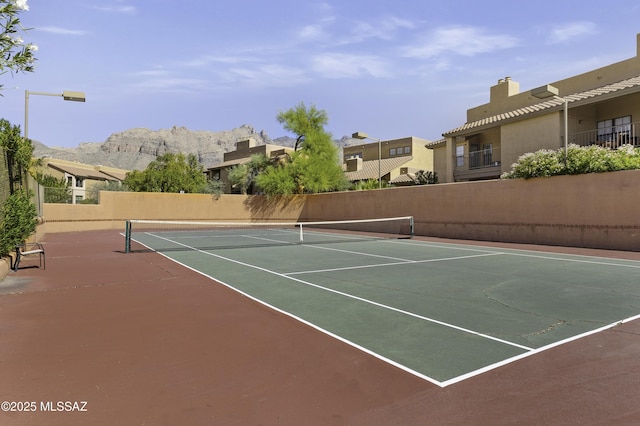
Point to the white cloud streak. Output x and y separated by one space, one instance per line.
459 40
573 30
61 31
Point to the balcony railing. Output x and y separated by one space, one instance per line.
478 159
610 137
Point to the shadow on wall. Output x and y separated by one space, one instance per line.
262 207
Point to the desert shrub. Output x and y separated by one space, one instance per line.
579 160
19 220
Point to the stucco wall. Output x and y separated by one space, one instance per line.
595 210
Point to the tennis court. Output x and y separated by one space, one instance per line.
443 312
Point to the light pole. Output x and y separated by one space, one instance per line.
549 91
66 95
363 135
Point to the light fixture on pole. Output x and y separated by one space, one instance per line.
549 91
66 95
363 135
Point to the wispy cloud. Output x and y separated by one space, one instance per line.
265 75
385 28
570 31
459 40
61 31
117 8
340 65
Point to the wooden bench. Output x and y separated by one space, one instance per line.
28 249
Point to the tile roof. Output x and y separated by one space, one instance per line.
370 168
230 163
630 84
406 178
80 171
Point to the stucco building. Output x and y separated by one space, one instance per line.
603 107
81 177
400 159
244 151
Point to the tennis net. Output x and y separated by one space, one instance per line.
165 235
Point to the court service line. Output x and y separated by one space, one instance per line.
378 265
351 296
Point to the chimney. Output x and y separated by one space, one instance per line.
504 89
354 164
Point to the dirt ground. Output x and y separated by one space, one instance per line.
106 338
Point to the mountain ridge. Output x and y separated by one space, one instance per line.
135 148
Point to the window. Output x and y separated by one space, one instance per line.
354 155
392 151
79 182
216 174
617 130
460 156
407 150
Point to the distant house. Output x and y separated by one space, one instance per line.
244 151
81 177
397 164
603 108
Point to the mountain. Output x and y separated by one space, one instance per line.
134 149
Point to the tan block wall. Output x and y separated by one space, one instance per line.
595 210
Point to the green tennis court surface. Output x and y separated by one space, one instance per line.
444 312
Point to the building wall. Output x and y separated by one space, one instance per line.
593 210
369 150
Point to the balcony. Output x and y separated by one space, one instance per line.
475 165
610 137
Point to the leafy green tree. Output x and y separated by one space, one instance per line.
19 152
93 193
300 120
169 173
56 190
19 220
314 168
243 176
15 55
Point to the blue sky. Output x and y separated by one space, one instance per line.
389 68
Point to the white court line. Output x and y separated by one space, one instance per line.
406 262
441 384
529 253
361 299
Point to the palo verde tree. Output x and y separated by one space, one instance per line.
300 120
15 54
314 168
169 173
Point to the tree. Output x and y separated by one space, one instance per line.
243 176
18 220
19 152
56 190
300 120
426 177
15 55
315 168
169 173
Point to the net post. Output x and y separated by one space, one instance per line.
127 236
301 236
411 227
